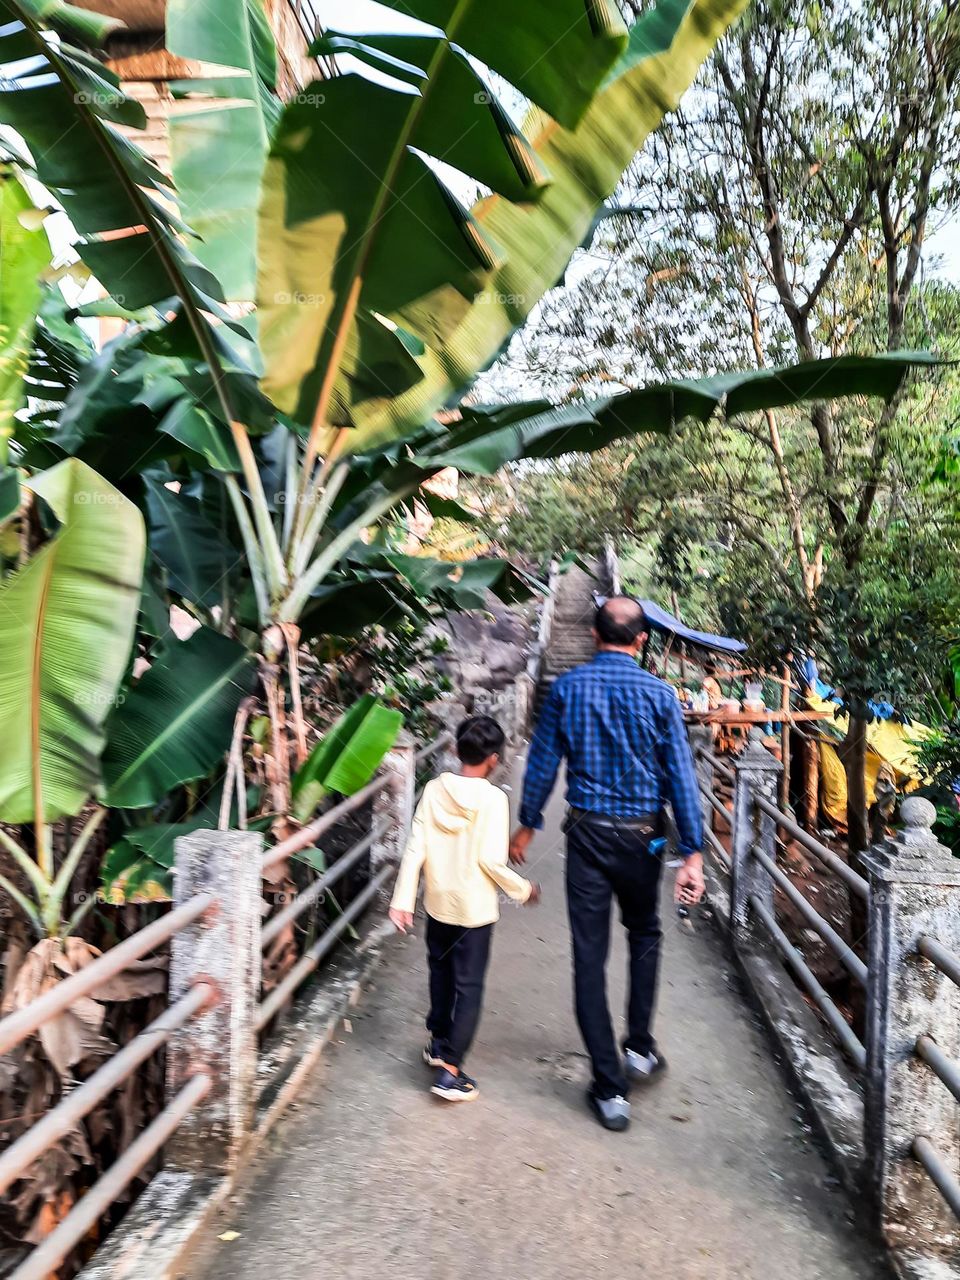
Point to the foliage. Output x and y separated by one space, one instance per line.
347 756
67 620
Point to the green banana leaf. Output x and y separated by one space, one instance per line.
366 255
67 622
197 560
347 756
666 48
139 867
26 253
64 109
67 106
175 724
556 52
9 493
218 151
486 438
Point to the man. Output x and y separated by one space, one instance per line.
621 731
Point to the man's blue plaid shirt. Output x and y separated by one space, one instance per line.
622 733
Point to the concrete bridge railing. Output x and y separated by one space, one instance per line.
888 1104
219 1064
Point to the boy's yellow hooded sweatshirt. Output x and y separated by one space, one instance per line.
459 840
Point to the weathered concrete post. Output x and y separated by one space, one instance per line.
394 802
223 950
524 696
757 773
701 740
914 891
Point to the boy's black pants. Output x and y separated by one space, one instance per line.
458 964
605 859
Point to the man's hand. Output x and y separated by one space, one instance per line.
689 886
518 845
402 920
534 897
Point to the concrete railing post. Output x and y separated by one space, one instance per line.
222 949
524 696
757 773
914 890
394 802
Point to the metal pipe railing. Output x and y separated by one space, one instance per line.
309 961
838 1024
85 1214
716 848
842 950
827 856
945 1069
309 834
940 1173
296 908
718 766
17 1026
946 961
68 1113
431 749
717 804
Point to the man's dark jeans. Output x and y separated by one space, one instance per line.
606 859
458 965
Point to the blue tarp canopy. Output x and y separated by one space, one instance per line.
667 624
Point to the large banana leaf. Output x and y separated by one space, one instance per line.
365 253
25 254
67 107
66 627
486 438
667 46
198 562
175 723
219 149
348 755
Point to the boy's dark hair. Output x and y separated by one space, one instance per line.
620 620
477 738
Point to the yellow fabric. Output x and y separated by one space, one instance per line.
459 841
887 741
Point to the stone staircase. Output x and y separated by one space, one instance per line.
571 639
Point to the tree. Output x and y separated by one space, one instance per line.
765 224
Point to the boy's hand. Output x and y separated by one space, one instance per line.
534 897
518 845
402 920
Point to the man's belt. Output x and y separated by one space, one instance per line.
649 823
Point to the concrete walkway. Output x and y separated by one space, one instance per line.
368 1177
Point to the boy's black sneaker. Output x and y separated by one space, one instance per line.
453 1088
431 1054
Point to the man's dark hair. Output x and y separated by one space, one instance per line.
620 620
477 738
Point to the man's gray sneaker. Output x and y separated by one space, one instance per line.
613 1113
644 1067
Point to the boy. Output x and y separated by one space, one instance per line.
459 840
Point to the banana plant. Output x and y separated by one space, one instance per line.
67 619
